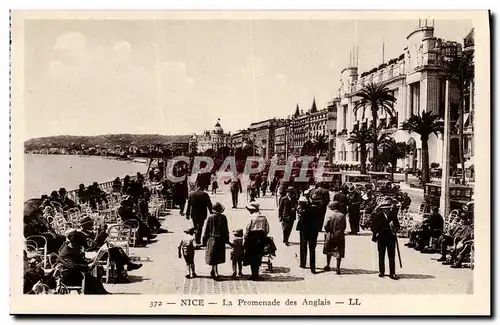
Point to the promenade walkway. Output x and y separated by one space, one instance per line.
163 272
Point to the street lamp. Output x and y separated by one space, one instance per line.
445 183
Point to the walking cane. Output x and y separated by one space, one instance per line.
399 253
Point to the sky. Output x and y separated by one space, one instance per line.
92 77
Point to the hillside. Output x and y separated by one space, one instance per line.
109 140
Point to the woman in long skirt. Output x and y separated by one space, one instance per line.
215 237
335 236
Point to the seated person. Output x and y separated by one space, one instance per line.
463 243
96 240
71 263
447 238
66 202
117 185
153 222
127 212
405 205
435 226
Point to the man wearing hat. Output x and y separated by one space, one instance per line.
341 198
320 197
199 204
354 210
308 228
287 213
384 227
66 202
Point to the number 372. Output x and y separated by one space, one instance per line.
154 304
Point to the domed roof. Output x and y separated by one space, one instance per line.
217 128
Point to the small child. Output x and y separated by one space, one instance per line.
237 251
186 249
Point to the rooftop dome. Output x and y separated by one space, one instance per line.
217 128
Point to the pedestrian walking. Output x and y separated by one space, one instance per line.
237 252
334 236
307 226
255 239
198 206
287 214
215 184
354 210
384 228
186 249
215 238
235 189
320 197
264 186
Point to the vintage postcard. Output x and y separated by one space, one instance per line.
250 163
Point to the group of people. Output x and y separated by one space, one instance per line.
211 230
455 239
66 251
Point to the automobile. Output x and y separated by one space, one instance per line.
460 195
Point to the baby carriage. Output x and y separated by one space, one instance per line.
269 253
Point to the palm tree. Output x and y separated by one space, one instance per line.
362 137
459 68
321 143
376 97
391 151
424 124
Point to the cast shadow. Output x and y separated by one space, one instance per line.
279 278
136 279
277 269
354 271
415 276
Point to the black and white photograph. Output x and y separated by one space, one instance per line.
250 162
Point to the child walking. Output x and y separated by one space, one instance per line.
186 250
237 251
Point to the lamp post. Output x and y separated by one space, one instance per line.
445 183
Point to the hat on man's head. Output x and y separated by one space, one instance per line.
238 232
335 205
303 200
290 189
219 208
62 190
86 222
253 206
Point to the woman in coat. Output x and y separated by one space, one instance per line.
335 236
215 237
255 239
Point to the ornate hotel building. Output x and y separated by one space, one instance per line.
417 80
304 127
213 139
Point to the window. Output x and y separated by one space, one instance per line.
415 98
344 117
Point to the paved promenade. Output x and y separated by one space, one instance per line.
163 272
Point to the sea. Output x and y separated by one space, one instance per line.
46 173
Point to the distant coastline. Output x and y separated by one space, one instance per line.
130 159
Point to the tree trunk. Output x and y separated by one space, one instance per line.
362 159
393 166
375 138
425 160
461 130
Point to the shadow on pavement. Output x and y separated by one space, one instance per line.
415 276
136 278
277 269
354 271
280 278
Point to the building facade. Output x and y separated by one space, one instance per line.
306 127
416 79
262 135
214 139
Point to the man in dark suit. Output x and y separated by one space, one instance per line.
320 197
384 227
308 230
198 206
354 210
341 197
287 213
